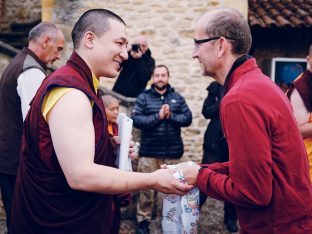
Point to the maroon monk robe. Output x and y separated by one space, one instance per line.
43 201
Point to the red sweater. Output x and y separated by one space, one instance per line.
267 175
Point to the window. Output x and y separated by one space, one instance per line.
285 70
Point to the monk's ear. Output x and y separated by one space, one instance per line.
88 39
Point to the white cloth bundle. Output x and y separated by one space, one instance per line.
181 213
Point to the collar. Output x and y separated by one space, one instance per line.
26 50
96 82
80 65
239 61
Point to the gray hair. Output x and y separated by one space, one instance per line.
230 23
42 29
108 99
96 21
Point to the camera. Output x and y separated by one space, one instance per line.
135 47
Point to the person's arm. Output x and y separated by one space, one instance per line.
183 118
222 168
145 66
77 160
211 105
306 130
141 119
249 182
301 114
28 83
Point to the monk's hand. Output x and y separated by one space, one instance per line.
132 153
163 181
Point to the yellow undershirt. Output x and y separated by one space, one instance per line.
308 145
55 94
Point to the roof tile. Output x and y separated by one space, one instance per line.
282 14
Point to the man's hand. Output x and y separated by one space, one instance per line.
116 141
164 112
190 174
136 54
167 111
166 183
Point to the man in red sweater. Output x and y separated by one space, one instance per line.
267 173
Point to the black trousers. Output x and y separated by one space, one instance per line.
7 184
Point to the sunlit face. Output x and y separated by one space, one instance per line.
110 50
160 78
54 47
112 111
205 53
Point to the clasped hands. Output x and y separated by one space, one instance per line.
164 112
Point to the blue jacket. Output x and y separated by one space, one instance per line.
161 138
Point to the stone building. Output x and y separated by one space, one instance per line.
168 26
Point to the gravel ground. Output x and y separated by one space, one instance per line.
211 220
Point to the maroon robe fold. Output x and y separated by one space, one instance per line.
43 201
304 86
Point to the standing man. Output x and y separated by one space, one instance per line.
66 176
300 94
215 147
267 174
136 71
18 85
159 113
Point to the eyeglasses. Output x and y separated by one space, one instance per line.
198 42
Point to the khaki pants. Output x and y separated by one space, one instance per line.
147 198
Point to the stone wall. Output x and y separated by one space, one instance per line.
21 11
168 26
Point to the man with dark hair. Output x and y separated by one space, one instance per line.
267 174
66 176
300 95
137 70
18 85
159 113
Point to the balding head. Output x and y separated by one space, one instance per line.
140 40
44 28
46 41
111 105
228 23
309 59
108 99
310 50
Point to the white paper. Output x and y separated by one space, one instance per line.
124 132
